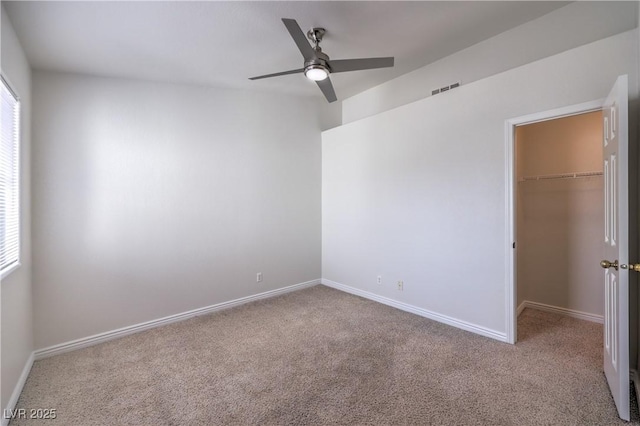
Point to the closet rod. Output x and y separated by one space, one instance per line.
561 176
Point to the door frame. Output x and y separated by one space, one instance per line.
511 288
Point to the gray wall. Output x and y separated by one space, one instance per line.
574 25
153 199
16 313
417 193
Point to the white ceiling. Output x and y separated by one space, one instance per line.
224 43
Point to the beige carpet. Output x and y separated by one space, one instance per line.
320 356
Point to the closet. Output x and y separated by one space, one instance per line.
560 216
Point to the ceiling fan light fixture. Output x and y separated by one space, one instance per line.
316 72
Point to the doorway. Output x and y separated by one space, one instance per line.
615 232
560 216
511 234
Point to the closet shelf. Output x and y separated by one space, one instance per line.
561 176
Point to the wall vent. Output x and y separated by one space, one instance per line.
445 88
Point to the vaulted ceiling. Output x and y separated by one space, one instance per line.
224 43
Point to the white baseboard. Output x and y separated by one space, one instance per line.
521 308
17 390
562 311
483 331
125 331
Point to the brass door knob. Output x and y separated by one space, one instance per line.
632 267
606 264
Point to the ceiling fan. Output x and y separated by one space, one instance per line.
317 65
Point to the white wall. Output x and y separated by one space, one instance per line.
574 25
16 312
153 199
417 193
560 220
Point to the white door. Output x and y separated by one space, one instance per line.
616 245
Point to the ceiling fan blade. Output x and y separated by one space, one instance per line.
327 89
300 39
344 65
277 74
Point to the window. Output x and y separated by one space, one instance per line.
9 179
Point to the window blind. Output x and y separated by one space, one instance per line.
9 178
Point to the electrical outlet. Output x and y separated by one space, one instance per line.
400 285
259 277
379 279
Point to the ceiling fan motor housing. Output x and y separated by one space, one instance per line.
321 60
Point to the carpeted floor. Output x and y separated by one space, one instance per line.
320 356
